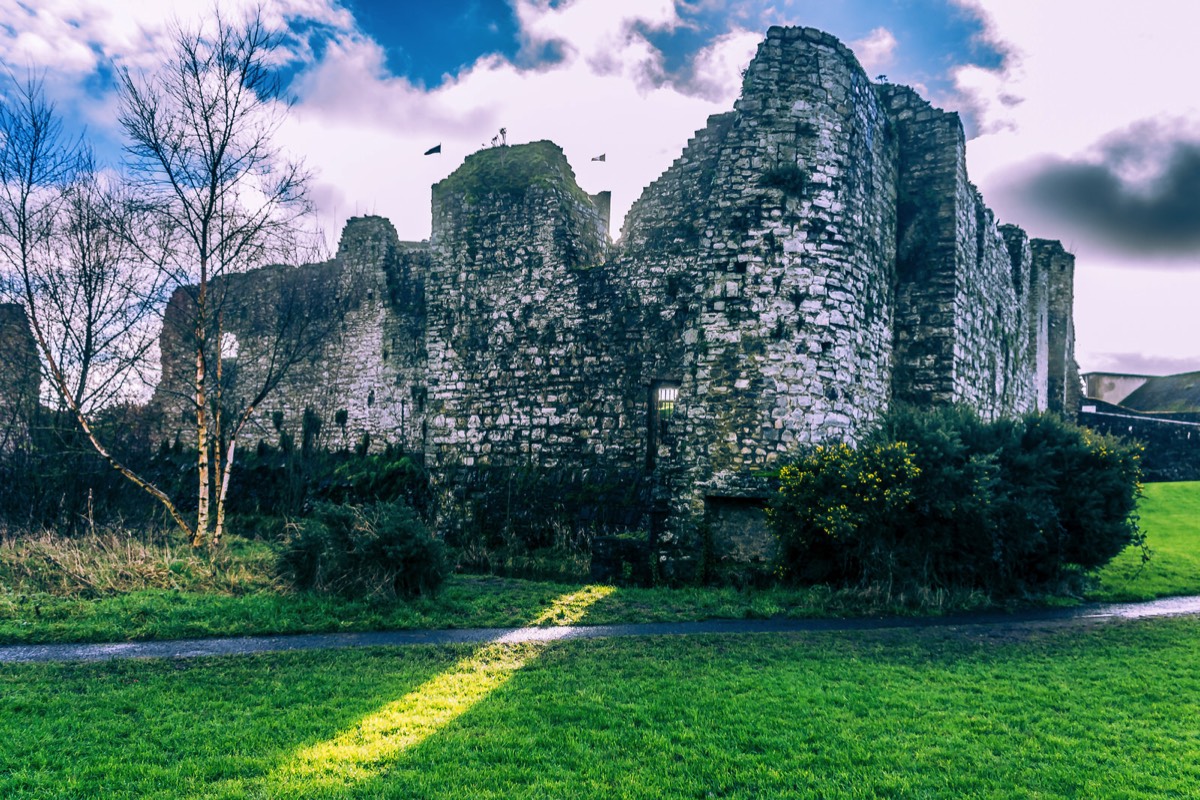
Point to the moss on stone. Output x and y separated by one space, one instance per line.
513 170
788 178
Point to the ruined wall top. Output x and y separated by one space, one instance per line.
784 33
367 239
511 171
505 204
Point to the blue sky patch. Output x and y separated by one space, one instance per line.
427 41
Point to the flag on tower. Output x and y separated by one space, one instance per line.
600 157
437 148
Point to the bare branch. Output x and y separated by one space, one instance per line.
201 150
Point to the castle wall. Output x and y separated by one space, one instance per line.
342 340
992 371
763 259
20 366
1063 385
374 367
962 307
931 141
813 255
523 334
1032 293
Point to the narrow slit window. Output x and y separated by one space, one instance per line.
662 404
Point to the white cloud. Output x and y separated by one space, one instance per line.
366 131
875 50
1081 70
1076 71
595 29
717 69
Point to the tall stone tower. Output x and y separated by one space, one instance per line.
1062 380
516 335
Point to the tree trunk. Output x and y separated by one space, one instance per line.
202 492
219 530
59 380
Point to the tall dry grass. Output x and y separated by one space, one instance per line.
117 561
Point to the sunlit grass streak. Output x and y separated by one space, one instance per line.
362 751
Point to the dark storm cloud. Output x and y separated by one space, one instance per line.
1139 191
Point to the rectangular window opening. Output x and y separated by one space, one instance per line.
664 402
666 397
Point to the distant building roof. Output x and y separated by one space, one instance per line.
1168 393
1102 374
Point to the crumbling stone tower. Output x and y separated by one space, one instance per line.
1062 379
764 259
518 333
813 256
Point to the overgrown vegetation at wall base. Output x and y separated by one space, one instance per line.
942 499
120 586
363 550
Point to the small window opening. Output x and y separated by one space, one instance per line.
663 405
666 397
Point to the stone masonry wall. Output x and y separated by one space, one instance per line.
962 309
345 338
524 337
1033 292
763 262
926 246
811 256
992 369
1063 385
19 365
763 258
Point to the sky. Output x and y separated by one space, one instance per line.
1081 119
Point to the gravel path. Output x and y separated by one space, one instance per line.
997 624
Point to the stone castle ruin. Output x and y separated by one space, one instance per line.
813 256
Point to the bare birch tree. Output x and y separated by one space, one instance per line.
201 148
82 314
99 294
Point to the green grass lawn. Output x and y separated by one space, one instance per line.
465 601
1107 711
50 598
1103 711
1170 515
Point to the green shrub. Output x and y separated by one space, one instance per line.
941 499
378 477
832 495
363 550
